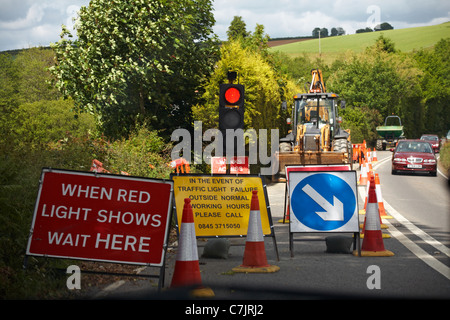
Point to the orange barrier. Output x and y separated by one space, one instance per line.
180 165
97 166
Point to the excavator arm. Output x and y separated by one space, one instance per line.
317 84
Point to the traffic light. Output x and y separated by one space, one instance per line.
231 106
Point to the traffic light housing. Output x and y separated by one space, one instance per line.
231 106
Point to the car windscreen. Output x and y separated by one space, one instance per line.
430 138
414 146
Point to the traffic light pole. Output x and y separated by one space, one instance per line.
231 112
231 75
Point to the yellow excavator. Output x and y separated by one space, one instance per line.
316 136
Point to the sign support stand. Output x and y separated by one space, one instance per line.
322 202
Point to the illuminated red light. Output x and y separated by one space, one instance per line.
232 95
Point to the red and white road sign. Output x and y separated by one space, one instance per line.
238 165
101 217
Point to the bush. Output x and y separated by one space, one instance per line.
143 154
35 125
46 134
444 156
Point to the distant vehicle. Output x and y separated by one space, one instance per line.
414 156
390 133
433 140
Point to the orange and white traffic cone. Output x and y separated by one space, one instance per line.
363 174
381 209
374 155
369 156
373 245
187 268
363 211
255 259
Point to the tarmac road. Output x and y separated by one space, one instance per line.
310 273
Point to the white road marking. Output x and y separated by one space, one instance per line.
115 285
415 249
110 288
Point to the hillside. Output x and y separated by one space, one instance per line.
405 40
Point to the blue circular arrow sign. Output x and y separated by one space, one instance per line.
323 202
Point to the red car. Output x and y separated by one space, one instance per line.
414 156
433 140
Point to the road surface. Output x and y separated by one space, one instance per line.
419 238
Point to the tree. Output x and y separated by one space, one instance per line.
137 61
8 97
383 81
367 29
24 78
32 65
435 84
237 30
323 32
385 44
383 26
35 125
315 32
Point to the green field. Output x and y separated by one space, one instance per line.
405 40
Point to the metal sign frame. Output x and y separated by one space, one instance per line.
309 171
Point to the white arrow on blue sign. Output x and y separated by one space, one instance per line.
323 201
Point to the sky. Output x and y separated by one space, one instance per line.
30 23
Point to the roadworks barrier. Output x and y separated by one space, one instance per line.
187 267
255 259
373 245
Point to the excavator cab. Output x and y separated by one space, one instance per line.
316 136
315 119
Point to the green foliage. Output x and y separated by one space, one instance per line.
435 84
237 29
143 154
39 130
444 157
32 66
35 125
380 80
362 123
140 60
8 84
